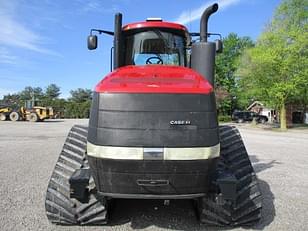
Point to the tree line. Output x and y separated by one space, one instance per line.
76 106
274 69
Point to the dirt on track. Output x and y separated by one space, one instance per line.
29 152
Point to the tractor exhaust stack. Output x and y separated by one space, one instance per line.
204 21
117 41
203 53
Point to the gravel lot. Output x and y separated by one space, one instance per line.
29 152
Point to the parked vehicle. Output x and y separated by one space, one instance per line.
32 112
244 116
5 110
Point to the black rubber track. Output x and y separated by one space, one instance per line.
60 208
246 210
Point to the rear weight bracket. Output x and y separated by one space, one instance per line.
227 183
79 185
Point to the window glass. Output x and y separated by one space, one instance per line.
155 47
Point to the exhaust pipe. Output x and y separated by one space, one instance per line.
117 41
203 52
204 21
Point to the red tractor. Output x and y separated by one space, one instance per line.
153 133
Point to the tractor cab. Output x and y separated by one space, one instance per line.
155 42
149 42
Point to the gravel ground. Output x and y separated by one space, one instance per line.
29 152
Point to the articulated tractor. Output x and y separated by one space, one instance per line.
153 133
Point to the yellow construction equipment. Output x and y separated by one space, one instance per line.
4 112
31 112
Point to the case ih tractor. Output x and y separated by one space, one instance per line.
153 134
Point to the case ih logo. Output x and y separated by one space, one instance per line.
180 122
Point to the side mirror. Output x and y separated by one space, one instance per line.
92 42
219 46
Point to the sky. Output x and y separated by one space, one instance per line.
44 41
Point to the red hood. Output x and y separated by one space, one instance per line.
154 79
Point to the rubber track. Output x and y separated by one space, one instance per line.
60 208
247 208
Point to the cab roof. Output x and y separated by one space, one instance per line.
157 24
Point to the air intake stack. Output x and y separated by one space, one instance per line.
203 52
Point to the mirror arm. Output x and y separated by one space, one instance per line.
101 31
209 34
193 34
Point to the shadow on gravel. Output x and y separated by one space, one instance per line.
268 210
179 214
261 166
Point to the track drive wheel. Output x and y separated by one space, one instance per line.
2 117
60 208
33 117
14 116
246 209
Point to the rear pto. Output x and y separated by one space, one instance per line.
153 134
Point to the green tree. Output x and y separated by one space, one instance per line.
226 66
276 69
78 105
52 91
11 100
81 95
31 92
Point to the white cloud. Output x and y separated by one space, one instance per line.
14 34
6 57
92 6
188 16
95 6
